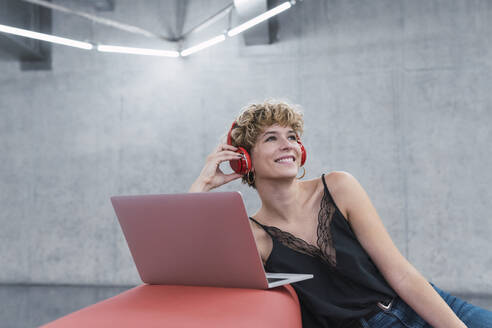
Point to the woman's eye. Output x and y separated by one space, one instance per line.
293 138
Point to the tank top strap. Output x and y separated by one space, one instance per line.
262 226
326 187
324 182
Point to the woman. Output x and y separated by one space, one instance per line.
328 227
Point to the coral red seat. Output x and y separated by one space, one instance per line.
190 306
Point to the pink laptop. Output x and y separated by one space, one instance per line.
200 239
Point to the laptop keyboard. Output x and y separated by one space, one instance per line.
274 279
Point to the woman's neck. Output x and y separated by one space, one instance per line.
281 200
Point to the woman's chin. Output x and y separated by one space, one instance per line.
282 173
292 173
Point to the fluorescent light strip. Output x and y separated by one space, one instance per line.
137 51
203 45
45 37
258 19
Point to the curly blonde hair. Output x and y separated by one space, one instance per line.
255 118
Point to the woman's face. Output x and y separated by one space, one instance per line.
273 143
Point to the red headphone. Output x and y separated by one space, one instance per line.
244 165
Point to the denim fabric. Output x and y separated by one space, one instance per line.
402 315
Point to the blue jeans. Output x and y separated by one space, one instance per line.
402 315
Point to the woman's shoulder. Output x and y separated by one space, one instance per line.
333 180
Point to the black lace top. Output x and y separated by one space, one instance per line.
346 283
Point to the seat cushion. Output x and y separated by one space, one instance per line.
190 306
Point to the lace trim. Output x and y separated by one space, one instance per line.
324 249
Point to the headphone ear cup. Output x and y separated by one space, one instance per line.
303 153
242 165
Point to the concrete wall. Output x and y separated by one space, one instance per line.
395 92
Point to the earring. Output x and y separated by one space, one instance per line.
303 174
248 178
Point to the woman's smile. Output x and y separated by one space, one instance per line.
285 161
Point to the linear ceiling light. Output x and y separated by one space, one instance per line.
258 19
97 19
137 51
203 45
45 37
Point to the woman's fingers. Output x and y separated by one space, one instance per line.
221 147
225 155
228 152
229 158
233 176
225 178
214 160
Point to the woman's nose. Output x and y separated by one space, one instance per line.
286 143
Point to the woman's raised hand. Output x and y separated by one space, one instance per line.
211 175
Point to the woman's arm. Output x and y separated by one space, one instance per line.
402 276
